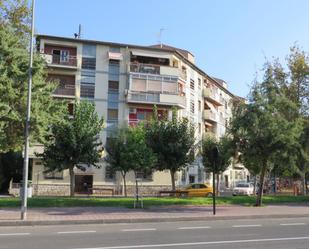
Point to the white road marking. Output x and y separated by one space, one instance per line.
13 234
199 243
188 228
292 224
69 232
139 230
257 225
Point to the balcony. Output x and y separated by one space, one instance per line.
66 91
69 62
166 99
212 96
156 69
210 116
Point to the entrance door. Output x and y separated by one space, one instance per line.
82 183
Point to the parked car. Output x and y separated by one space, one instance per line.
243 189
196 190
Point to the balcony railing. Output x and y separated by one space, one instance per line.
54 59
67 90
212 96
168 99
156 69
209 115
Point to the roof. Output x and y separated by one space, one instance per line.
178 52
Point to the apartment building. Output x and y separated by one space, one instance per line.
125 82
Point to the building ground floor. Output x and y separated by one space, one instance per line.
101 181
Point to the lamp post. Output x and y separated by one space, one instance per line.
26 155
215 153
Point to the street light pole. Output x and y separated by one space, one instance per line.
215 153
26 156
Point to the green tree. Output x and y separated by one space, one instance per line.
266 130
173 143
128 151
224 157
74 142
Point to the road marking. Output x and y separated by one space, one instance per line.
292 224
188 228
199 243
257 225
68 232
138 230
13 234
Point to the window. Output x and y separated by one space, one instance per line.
199 105
114 49
60 56
71 109
199 128
113 86
112 114
192 84
54 175
145 175
192 106
110 174
88 63
113 67
199 82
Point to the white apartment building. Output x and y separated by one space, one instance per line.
125 82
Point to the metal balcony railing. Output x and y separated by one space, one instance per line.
54 59
68 90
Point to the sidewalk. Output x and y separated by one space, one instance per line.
90 215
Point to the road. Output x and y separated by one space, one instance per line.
233 234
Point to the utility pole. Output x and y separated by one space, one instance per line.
26 155
214 171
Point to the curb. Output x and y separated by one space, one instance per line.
144 220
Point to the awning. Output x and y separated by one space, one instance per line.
208 124
115 56
211 106
151 54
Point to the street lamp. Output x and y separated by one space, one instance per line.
26 155
215 154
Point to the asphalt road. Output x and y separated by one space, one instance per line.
232 234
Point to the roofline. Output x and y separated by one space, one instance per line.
42 36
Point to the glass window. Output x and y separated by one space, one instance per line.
89 50
113 67
192 106
112 114
113 86
54 175
89 63
110 174
192 84
114 49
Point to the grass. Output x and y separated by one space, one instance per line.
43 202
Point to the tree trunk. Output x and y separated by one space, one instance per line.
304 183
72 182
260 192
124 184
254 185
173 179
306 178
218 185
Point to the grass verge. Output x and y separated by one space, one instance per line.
43 202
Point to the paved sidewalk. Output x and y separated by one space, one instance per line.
84 215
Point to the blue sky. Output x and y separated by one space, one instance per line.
230 39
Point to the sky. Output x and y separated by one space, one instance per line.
230 39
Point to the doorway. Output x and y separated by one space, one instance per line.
82 183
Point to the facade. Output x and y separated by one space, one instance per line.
125 82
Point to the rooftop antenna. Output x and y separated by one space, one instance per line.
79 34
160 37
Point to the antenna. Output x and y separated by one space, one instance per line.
79 34
160 37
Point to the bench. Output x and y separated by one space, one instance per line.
90 190
178 193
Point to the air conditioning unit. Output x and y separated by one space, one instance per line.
132 111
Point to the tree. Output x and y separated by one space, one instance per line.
128 151
74 142
173 143
266 130
13 94
225 154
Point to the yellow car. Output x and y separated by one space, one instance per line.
196 190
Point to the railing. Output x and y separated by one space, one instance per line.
55 59
208 93
87 91
145 68
68 90
208 114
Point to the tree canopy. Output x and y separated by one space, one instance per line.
74 141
